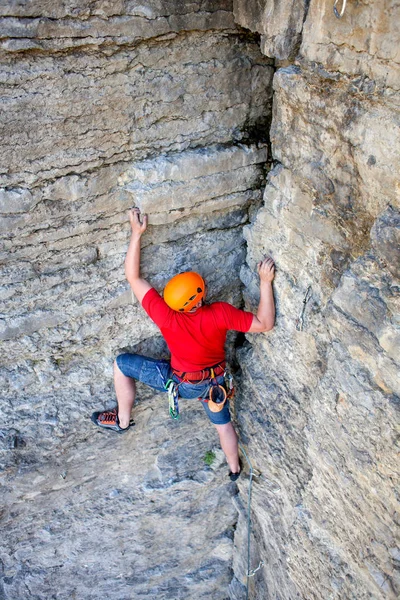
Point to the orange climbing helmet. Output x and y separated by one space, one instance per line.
184 291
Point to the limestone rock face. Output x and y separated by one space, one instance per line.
280 24
364 42
108 105
193 182
168 106
318 404
351 162
43 25
322 389
137 515
93 107
108 108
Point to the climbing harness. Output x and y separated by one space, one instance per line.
197 377
339 14
217 394
300 320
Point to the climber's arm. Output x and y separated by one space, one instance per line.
265 318
132 261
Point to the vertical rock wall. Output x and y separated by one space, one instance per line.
106 106
167 106
319 399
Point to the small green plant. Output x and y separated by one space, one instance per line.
209 457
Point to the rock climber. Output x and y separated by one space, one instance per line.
195 333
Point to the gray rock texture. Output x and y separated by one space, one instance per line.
280 24
89 130
107 105
364 43
132 516
180 109
319 395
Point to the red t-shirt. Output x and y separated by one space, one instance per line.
196 340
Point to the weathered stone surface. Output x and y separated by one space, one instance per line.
365 42
385 238
15 201
325 401
95 98
74 112
167 106
328 135
172 187
138 515
280 24
44 26
318 403
78 124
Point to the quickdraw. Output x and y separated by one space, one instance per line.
172 389
300 320
173 396
229 383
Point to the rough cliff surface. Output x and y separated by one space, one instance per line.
168 106
106 105
320 394
107 108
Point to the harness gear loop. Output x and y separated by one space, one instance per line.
339 14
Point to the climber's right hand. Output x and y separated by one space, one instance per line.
266 269
138 226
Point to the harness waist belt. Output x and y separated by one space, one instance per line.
197 376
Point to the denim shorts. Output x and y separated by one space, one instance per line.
156 373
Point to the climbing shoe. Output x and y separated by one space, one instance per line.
235 476
108 419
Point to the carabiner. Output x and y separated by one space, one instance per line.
340 14
172 399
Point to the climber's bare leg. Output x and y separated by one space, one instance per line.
125 390
229 444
